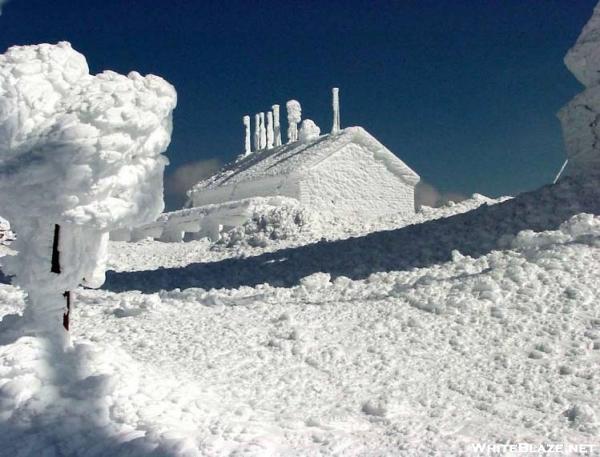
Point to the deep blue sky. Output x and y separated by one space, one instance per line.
465 92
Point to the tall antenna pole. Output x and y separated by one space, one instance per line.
335 128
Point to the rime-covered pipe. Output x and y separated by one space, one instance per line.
263 132
257 132
294 116
335 128
269 129
276 125
247 149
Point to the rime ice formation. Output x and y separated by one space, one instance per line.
308 131
580 118
247 147
350 176
263 132
270 131
276 125
80 153
335 92
294 116
257 132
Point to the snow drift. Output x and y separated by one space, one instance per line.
80 151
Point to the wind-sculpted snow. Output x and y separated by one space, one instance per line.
495 348
474 233
77 150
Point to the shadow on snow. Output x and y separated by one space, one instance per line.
475 233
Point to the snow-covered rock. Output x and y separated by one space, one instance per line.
580 118
79 155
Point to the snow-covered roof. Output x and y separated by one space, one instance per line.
298 156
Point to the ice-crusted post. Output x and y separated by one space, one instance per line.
263 132
269 129
294 116
247 148
74 165
335 128
257 132
276 125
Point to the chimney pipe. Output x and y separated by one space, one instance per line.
270 129
246 121
256 132
263 132
276 125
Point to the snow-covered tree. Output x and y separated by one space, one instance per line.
308 130
270 130
80 155
294 116
276 125
247 148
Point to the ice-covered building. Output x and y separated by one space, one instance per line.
344 174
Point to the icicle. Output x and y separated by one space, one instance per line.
269 129
276 125
336 110
257 132
294 115
247 149
263 132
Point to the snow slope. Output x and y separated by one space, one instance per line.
425 339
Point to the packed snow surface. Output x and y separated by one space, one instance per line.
80 151
476 323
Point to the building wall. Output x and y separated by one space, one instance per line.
286 186
350 184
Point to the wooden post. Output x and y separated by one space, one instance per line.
55 268
67 295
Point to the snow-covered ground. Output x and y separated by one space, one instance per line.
464 325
